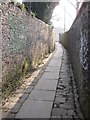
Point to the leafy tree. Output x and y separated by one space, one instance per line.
42 10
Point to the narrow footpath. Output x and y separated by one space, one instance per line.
55 94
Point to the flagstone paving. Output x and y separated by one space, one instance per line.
53 95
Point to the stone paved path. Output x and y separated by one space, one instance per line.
54 95
39 102
66 98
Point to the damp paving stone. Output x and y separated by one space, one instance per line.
55 61
50 76
56 105
46 85
64 77
60 92
60 99
64 117
67 106
58 112
63 83
70 99
64 97
52 69
71 112
60 87
53 64
35 109
60 95
70 95
56 118
76 117
42 95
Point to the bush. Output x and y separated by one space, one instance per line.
21 6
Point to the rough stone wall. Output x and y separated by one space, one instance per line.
79 48
63 39
26 41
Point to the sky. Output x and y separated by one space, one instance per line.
65 12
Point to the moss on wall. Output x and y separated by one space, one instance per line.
25 44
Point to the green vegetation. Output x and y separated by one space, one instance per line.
33 14
13 79
21 6
42 10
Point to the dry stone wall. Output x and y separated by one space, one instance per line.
25 42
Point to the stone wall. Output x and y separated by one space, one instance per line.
63 39
26 41
77 41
